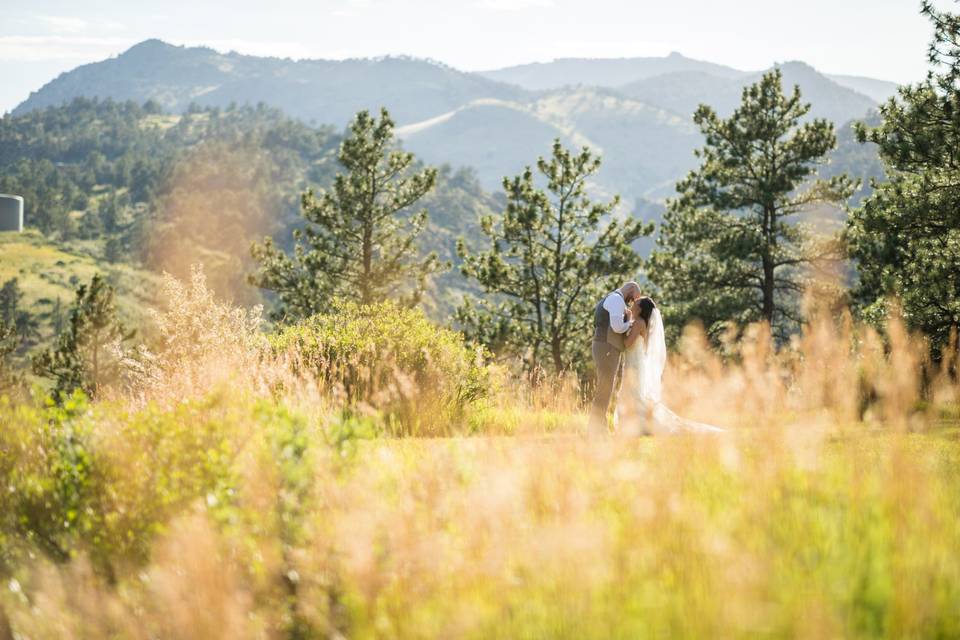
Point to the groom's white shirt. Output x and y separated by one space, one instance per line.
615 305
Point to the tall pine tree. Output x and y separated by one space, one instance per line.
85 356
730 247
906 236
553 253
361 239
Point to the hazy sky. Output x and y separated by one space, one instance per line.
879 38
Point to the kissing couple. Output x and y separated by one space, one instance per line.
629 344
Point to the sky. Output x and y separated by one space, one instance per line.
884 39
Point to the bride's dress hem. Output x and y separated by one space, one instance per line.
640 392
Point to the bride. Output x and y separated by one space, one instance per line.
640 409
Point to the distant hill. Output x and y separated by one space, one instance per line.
321 91
877 90
644 129
635 112
131 186
617 72
602 72
496 138
330 92
48 273
644 148
683 92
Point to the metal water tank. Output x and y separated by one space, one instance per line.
11 213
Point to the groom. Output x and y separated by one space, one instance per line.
609 326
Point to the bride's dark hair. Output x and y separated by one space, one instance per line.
646 305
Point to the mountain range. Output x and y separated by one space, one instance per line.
619 72
635 112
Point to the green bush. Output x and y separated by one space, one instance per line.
102 480
417 378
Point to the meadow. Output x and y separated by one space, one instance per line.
48 272
368 475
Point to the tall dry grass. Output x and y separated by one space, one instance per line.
231 495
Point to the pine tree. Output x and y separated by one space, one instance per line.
361 238
109 212
730 247
25 324
9 341
10 298
906 236
85 356
113 250
10 334
553 253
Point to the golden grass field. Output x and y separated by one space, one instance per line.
230 493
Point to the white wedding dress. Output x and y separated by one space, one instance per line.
640 409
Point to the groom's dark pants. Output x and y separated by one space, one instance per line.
606 359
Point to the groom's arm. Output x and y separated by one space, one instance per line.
617 309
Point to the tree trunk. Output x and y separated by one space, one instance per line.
768 289
769 220
366 286
96 363
557 354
